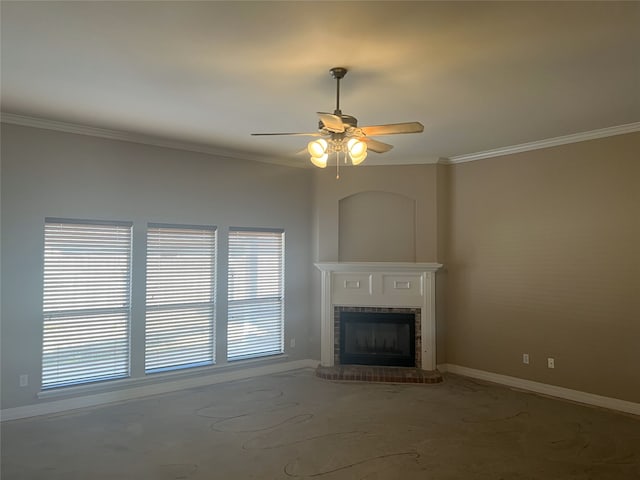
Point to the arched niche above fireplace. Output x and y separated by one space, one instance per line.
377 226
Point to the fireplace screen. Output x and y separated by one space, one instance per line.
368 338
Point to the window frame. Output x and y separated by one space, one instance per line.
90 294
188 307
247 303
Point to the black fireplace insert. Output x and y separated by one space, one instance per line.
377 338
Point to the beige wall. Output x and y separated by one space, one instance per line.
47 173
544 258
443 214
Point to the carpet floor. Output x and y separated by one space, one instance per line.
298 426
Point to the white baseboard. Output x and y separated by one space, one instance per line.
58 406
46 408
545 389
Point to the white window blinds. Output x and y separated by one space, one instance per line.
180 299
86 301
256 293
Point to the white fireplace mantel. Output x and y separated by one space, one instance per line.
379 284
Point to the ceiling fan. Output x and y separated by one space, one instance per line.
340 134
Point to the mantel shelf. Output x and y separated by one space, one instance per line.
377 267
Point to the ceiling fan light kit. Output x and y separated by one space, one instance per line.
341 135
357 150
318 151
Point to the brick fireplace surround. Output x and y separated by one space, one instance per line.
379 287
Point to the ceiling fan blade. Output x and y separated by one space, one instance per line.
331 122
376 146
314 134
393 128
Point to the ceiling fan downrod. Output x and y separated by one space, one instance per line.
338 73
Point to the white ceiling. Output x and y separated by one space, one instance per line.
479 76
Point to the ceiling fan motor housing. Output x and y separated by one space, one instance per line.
348 120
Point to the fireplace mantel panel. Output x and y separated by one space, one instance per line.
377 289
379 284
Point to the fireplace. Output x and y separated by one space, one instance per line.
378 313
376 338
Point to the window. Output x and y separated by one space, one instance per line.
256 293
86 301
180 310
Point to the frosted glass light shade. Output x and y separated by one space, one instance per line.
358 160
317 148
357 151
356 147
320 162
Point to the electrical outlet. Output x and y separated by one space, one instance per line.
24 380
292 343
525 358
551 363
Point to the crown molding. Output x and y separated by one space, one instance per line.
549 142
36 122
47 124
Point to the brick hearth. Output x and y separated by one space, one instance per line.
371 373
